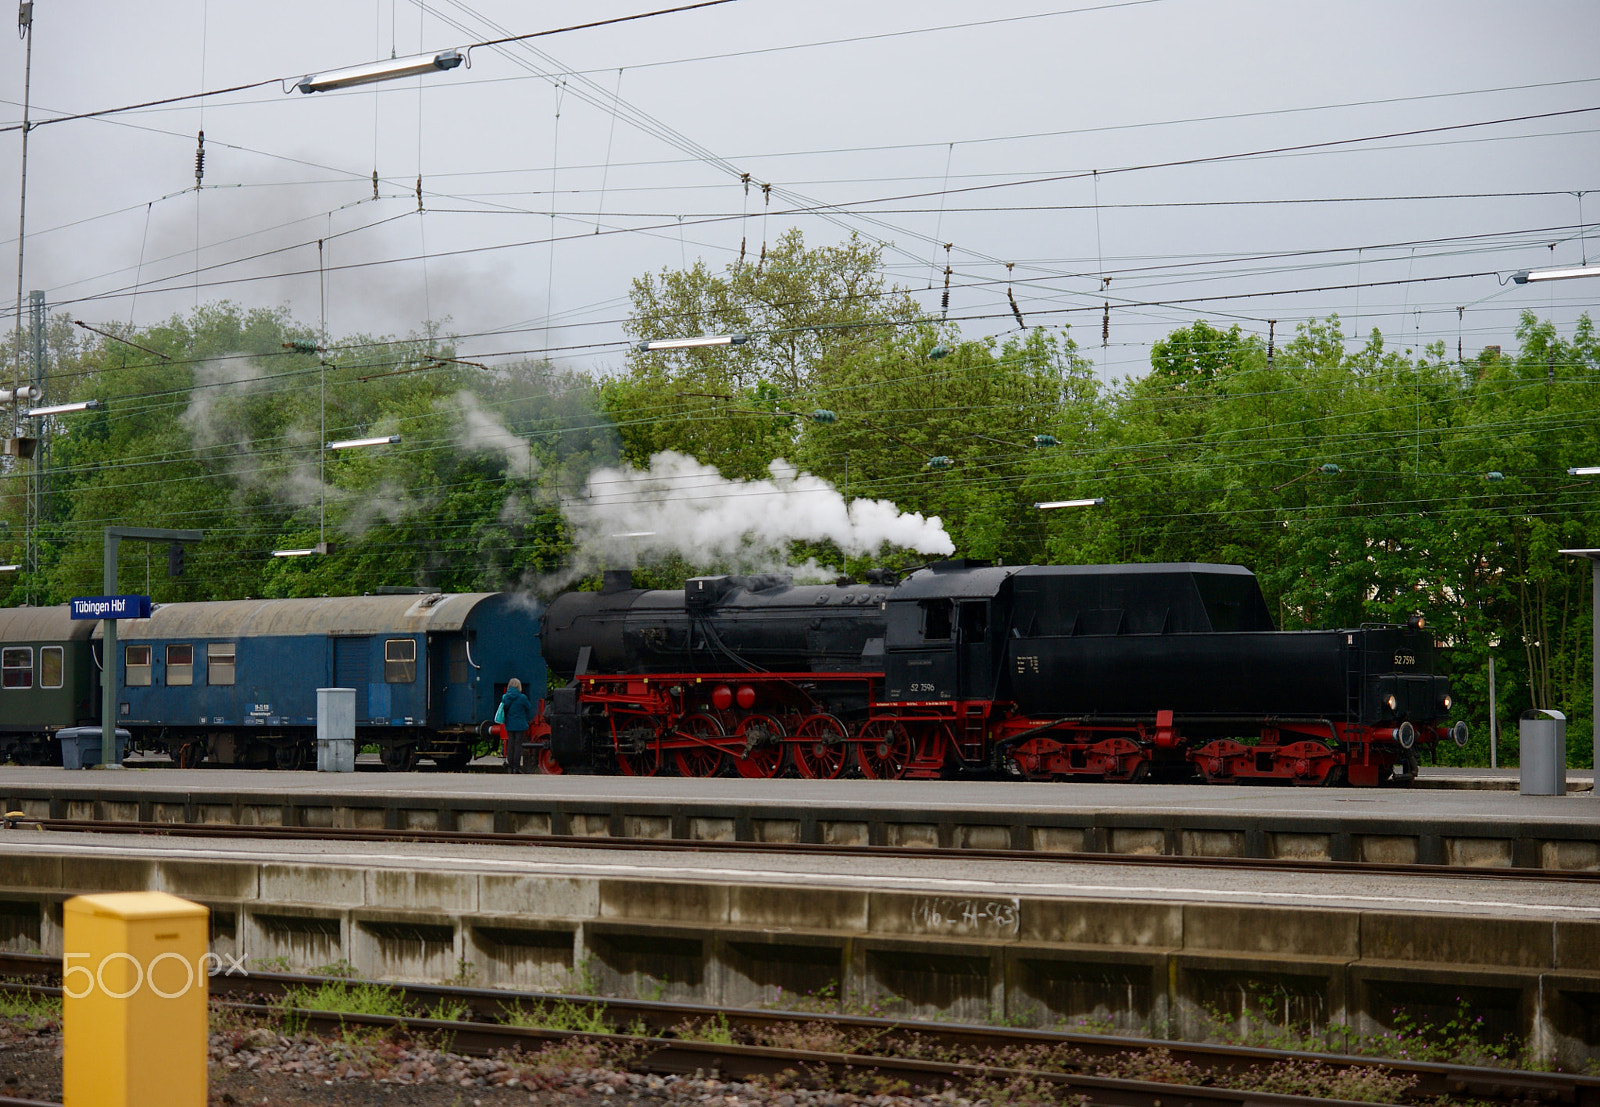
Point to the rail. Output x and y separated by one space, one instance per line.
899 1049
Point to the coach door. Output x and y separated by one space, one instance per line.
352 668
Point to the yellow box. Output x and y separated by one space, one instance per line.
133 1010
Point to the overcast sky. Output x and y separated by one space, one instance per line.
917 123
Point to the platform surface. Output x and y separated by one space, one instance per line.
1452 806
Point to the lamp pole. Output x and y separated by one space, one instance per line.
1593 557
25 28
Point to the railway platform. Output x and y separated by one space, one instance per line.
1472 825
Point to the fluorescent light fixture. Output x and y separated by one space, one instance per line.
1581 553
319 548
62 409
352 443
634 534
693 343
10 568
1585 471
1096 502
1524 276
413 66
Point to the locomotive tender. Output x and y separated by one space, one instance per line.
1107 672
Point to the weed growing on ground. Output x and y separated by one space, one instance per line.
35 1011
270 964
714 1030
585 1018
342 970
346 998
448 1010
829 1000
1459 1040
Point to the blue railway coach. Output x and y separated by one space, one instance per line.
237 680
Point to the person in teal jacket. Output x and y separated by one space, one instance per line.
518 718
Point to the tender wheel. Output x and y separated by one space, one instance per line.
548 763
638 749
703 758
820 748
761 754
883 750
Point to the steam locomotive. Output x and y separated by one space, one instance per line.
1107 672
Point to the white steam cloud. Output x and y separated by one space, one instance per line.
682 506
479 430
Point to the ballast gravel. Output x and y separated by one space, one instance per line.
261 1065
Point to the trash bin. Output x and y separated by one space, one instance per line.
1543 743
81 746
336 730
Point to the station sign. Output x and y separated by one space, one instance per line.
111 607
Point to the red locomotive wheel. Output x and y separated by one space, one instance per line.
548 763
883 750
638 750
760 754
703 758
820 748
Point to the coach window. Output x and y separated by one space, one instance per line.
936 620
136 659
219 662
16 665
51 667
400 660
180 664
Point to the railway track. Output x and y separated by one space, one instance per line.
925 1056
678 845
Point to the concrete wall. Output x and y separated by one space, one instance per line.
1150 968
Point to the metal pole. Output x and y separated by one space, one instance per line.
1494 760
1594 709
25 24
108 670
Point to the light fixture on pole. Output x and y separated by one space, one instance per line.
319 548
352 443
1585 471
692 343
1051 505
62 409
1528 276
10 568
392 69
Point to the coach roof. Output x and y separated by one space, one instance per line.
324 615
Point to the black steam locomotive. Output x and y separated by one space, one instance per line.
1109 672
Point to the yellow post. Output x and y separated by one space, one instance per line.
134 986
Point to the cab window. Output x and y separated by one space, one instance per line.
219 662
136 663
180 663
16 667
936 620
400 660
